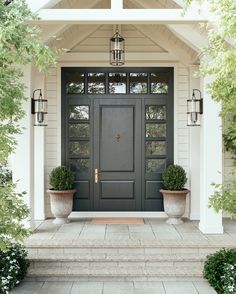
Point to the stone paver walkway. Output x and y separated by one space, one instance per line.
114 288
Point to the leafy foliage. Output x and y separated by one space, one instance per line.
19 46
224 198
215 267
221 50
13 267
13 211
229 137
61 178
174 178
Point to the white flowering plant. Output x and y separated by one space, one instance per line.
220 270
229 279
13 267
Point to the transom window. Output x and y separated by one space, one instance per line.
95 83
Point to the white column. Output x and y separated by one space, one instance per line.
210 161
194 148
39 158
39 182
22 159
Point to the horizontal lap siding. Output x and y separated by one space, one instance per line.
52 139
182 144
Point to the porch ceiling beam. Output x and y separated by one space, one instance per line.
88 57
122 16
76 37
190 36
35 5
159 38
52 32
183 31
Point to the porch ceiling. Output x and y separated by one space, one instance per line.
182 40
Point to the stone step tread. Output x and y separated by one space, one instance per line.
127 243
116 257
114 271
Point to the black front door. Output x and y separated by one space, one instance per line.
117 136
117 153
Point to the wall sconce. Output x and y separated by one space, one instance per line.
194 109
117 49
39 108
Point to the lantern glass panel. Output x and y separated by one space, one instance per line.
193 119
40 105
40 119
117 49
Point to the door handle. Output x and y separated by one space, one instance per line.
96 174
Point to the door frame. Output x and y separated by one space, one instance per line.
170 69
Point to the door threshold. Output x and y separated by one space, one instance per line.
144 214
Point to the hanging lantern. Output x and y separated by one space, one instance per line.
117 49
194 109
39 108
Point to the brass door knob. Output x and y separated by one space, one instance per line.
117 138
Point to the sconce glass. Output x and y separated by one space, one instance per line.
194 109
117 49
39 108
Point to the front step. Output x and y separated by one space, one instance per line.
123 261
115 274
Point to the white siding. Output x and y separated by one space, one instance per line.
52 139
182 138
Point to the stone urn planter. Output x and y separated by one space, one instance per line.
174 205
174 193
61 180
61 205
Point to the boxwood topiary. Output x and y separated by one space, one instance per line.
214 268
174 178
61 178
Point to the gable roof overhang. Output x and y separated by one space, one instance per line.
138 12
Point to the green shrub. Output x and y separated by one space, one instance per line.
216 267
174 178
61 178
13 211
13 267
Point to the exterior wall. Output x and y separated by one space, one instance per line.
183 135
53 138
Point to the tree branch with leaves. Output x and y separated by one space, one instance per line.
19 45
221 64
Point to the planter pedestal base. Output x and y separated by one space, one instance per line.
174 221
61 221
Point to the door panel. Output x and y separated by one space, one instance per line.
117 154
117 138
